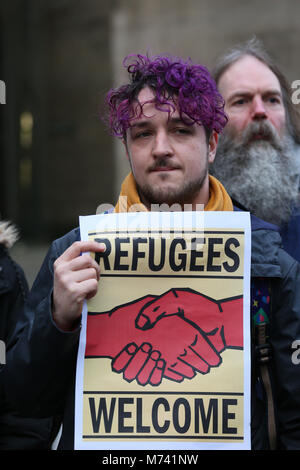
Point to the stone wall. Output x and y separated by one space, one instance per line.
61 56
202 30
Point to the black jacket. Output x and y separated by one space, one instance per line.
16 432
47 356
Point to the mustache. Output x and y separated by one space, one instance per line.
265 130
163 163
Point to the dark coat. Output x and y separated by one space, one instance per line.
48 356
290 234
16 432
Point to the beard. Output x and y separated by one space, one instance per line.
171 196
262 174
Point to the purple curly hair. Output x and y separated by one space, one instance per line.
189 85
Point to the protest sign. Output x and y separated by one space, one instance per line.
164 354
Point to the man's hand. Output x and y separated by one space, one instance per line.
221 322
76 278
184 349
142 364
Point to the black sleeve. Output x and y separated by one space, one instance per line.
284 330
41 361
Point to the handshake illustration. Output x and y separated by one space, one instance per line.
173 336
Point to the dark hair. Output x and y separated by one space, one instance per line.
172 80
255 48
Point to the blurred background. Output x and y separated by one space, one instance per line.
59 57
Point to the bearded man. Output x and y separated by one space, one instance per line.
258 156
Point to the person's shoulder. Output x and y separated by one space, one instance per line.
12 276
256 222
63 242
266 247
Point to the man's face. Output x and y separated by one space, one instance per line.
252 93
255 160
169 159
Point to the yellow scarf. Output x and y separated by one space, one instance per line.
219 199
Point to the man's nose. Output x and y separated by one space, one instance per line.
162 145
258 109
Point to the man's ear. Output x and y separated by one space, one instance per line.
212 146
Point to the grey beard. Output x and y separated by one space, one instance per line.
262 175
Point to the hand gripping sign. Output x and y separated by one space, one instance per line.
173 336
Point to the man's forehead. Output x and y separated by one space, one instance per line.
248 74
146 94
146 101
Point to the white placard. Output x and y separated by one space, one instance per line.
164 354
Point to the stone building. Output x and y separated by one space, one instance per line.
57 59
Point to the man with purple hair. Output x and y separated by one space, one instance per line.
169 116
258 156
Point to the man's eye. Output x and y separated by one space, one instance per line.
141 135
274 100
239 102
182 130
